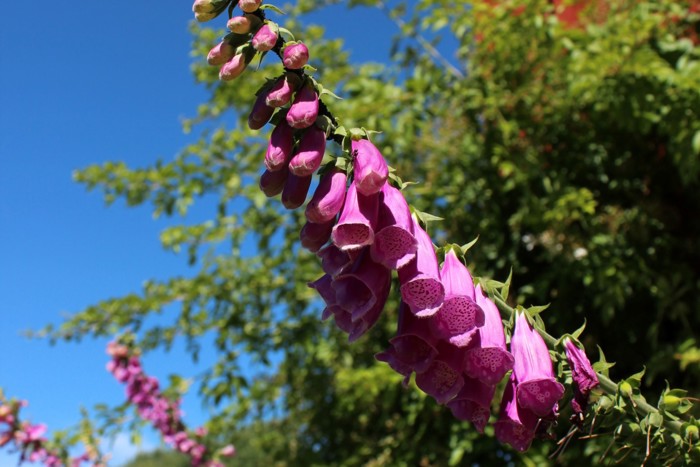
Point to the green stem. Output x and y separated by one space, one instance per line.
606 384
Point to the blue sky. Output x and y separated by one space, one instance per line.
86 83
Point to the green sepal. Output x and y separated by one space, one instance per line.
268 6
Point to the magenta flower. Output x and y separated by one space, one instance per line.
459 316
488 360
537 389
585 378
272 183
220 54
304 109
394 242
354 228
334 261
473 403
414 346
295 56
364 285
309 153
516 425
328 198
370 169
421 287
324 287
260 114
443 378
266 37
295 190
279 149
314 236
233 68
283 89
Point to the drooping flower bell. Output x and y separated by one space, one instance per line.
473 403
459 316
421 287
354 229
364 285
488 359
334 261
394 242
414 346
537 389
516 425
327 200
585 378
304 109
370 167
309 153
443 379
295 55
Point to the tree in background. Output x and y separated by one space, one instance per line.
566 137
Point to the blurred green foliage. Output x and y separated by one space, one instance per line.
571 149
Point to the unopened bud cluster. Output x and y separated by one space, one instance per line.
144 393
450 334
28 439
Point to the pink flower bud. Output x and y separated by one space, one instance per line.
220 54
242 24
260 114
249 6
314 236
328 198
281 92
272 183
295 190
279 150
309 154
582 373
370 168
295 56
233 68
228 450
205 10
266 38
304 109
